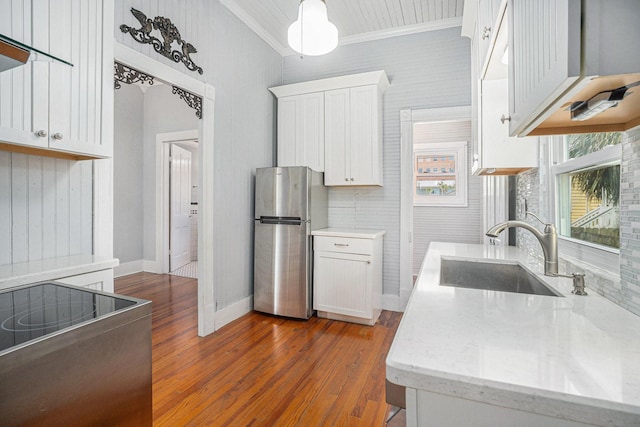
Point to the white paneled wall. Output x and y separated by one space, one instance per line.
426 70
45 207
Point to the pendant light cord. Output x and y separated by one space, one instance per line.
301 29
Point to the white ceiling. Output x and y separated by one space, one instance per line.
357 20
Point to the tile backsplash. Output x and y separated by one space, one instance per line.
532 193
630 222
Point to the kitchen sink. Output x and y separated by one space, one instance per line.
491 276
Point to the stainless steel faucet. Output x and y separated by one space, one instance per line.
548 240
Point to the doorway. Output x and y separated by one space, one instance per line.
205 126
178 227
449 221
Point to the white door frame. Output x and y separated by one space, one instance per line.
135 59
407 118
163 144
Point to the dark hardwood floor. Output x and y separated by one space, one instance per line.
260 370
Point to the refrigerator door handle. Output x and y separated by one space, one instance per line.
281 220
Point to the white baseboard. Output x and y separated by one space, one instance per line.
151 266
128 268
234 311
395 302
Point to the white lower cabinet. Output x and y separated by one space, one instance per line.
427 409
347 275
101 280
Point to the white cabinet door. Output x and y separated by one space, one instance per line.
337 134
56 106
485 27
180 211
342 284
366 149
353 127
496 149
287 118
18 104
301 131
544 56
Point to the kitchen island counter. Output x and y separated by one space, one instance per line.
573 358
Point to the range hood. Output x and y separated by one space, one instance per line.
14 54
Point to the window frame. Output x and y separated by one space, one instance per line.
443 150
604 257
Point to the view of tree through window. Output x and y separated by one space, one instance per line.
589 208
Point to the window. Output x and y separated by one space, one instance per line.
587 175
446 184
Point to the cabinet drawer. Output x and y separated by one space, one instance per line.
346 245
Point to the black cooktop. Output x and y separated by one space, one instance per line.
31 312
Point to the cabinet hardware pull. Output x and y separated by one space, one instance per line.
342 245
351 179
505 119
41 133
346 179
485 33
57 136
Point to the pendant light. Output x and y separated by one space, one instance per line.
312 34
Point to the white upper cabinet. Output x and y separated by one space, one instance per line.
566 51
51 108
494 151
334 126
301 131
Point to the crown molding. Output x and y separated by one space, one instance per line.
256 27
402 31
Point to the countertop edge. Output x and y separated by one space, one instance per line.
54 268
356 233
564 406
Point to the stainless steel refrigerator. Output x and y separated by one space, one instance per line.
290 202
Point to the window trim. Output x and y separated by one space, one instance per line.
600 256
462 170
612 153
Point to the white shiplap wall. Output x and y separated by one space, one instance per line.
426 70
241 67
46 208
128 155
447 224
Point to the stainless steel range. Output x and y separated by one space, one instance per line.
73 356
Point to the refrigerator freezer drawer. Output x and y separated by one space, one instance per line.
281 270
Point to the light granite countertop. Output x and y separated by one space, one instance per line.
572 357
53 268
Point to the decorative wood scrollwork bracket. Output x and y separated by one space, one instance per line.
128 75
169 34
194 101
